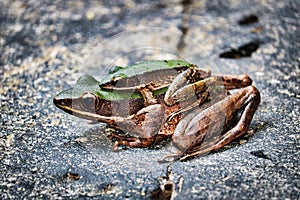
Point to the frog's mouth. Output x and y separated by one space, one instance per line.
68 106
72 107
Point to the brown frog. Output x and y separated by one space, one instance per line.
179 100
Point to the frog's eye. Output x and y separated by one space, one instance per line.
88 102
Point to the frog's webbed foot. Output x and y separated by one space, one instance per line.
133 142
123 140
115 136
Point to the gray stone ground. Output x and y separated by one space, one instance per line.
47 45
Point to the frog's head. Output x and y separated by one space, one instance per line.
82 100
87 100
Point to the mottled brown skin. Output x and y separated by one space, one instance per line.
166 130
207 130
198 112
209 126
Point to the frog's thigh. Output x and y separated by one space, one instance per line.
219 143
238 130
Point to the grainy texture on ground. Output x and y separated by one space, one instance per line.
46 45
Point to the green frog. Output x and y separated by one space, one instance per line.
154 100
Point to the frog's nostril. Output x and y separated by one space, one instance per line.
65 102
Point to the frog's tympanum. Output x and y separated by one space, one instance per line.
158 99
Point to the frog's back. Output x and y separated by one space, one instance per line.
146 67
155 65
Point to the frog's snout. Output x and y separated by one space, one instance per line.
62 103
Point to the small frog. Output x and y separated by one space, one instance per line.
159 99
128 106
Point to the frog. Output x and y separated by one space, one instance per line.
161 109
87 99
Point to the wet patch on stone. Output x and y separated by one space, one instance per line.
249 19
245 50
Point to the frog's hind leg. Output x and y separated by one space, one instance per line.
180 91
237 131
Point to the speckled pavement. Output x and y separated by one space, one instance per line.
47 45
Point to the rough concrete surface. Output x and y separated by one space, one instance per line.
46 45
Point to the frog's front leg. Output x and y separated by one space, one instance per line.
145 123
136 142
204 132
133 142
